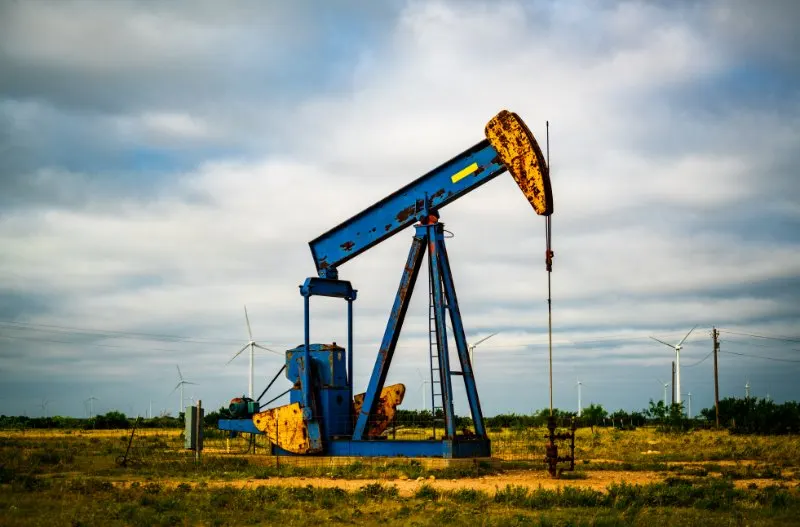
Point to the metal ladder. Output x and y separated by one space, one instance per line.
433 353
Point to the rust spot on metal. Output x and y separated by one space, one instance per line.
285 427
406 213
388 227
519 152
347 246
438 193
385 408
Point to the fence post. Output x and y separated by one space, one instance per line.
198 439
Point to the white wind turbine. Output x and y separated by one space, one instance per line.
252 345
422 384
473 346
666 385
677 349
91 401
579 384
180 385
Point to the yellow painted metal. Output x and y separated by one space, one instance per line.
390 399
464 172
520 153
284 426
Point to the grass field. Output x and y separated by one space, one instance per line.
637 477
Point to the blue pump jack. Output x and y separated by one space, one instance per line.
321 418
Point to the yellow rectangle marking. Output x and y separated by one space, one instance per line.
464 172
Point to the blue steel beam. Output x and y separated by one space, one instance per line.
433 233
458 333
390 336
439 187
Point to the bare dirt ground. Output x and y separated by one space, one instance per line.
490 484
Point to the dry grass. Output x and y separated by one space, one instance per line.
636 477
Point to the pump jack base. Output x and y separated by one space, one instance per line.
441 448
428 463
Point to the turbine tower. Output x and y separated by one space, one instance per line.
180 385
666 385
747 389
252 345
422 384
689 408
579 384
91 401
677 347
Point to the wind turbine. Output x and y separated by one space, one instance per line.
180 385
677 349
473 346
252 345
747 389
423 382
91 401
43 406
579 384
689 395
666 385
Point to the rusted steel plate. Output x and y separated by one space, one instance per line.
285 427
390 399
521 155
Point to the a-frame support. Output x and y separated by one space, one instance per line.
428 234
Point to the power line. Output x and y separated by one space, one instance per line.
95 345
785 339
52 328
700 361
116 334
749 344
759 356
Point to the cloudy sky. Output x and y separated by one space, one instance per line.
162 165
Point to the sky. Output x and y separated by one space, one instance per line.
164 165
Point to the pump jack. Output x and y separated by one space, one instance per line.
324 417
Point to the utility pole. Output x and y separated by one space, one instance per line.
715 336
673 382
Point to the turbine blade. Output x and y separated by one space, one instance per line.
664 343
179 372
266 349
247 319
486 338
237 354
420 375
687 336
187 382
173 390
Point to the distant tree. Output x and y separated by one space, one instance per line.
756 416
212 418
594 414
111 420
657 411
